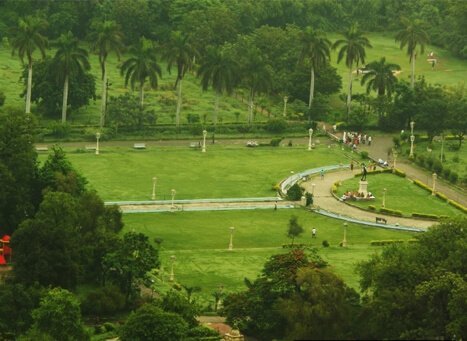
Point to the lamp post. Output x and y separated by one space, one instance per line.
344 241
205 133
442 148
435 176
154 180
285 106
98 136
313 189
172 277
384 197
231 238
310 133
412 138
173 197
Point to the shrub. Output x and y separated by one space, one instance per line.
372 207
390 211
334 188
429 162
420 160
410 241
294 193
453 177
309 199
364 154
437 166
276 126
457 205
60 130
446 173
276 142
397 141
441 196
422 185
400 173
103 301
325 243
425 215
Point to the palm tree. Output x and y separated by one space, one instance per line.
219 71
140 66
105 38
380 77
69 59
412 35
315 48
353 48
181 52
25 39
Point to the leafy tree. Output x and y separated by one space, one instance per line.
457 107
180 51
25 39
294 229
126 111
412 35
294 192
352 47
316 49
380 77
141 66
151 323
69 60
218 70
59 316
175 302
105 38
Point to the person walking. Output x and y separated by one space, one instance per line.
369 140
313 232
322 174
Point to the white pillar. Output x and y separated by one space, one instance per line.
384 197
231 238
344 241
98 136
154 180
205 133
310 133
412 139
433 190
313 189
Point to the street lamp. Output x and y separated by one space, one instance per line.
173 197
285 106
154 180
384 197
172 277
412 138
205 133
435 176
344 241
310 133
98 136
231 238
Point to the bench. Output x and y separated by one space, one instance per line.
42 148
381 220
195 145
90 147
139 146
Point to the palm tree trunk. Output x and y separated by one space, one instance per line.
349 93
179 102
65 99
104 95
312 87
216 107
141 94
413 69
28 92
250 107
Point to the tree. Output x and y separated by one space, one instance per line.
218 70
294 229
180 51
412 35
105 38
69 60
141 66
457 107
125 110
380 77
152 323
59 316
352 47
25 39
175 302
316 49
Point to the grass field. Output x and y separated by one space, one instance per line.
120 173
401 195
199 240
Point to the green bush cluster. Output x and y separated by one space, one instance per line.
372 207
325 243
391 211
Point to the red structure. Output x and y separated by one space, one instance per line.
5 250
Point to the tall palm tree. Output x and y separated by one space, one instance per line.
412 35
141 66
25 39
352 47
181 52
105 38
316 49
218 70
69 59
380 77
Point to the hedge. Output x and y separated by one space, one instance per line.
386 242
441 196
400 173
457 205
391 211
422 185
334 189
425 215
372 207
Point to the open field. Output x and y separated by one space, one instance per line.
199 240
401 195
120 173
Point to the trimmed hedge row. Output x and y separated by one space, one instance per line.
378 171
441 196
391 241
426 215
457 205
400 173
391 211
372 207
422 185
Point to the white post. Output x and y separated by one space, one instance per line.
205 133
435 176
285 106
231 238
394 153
154 180
384 197
310 133
344 242
173 197
442 148
313 189
172 276
412 139
98 136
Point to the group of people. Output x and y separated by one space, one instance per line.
357 196
354 139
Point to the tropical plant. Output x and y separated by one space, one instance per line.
412 35
179 51
69 59
352 47
218 70
105 38
380 77
25 39
142 65
316 49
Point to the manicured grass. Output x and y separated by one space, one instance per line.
199 240
120 173
401 195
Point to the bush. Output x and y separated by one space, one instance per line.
446 173
276 142
309 199
422 185
391 211
420 160
437 166
103 301
334 188
276 126
295 192
457 205
429 162
325 243
372 207
453 177
364 154
400 173
59 130
386 242
441 196
425 215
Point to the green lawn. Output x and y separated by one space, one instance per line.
401 195
120 173
199 240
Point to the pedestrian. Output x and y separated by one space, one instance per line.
275 206
351 166
322 174
313 233
369 140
